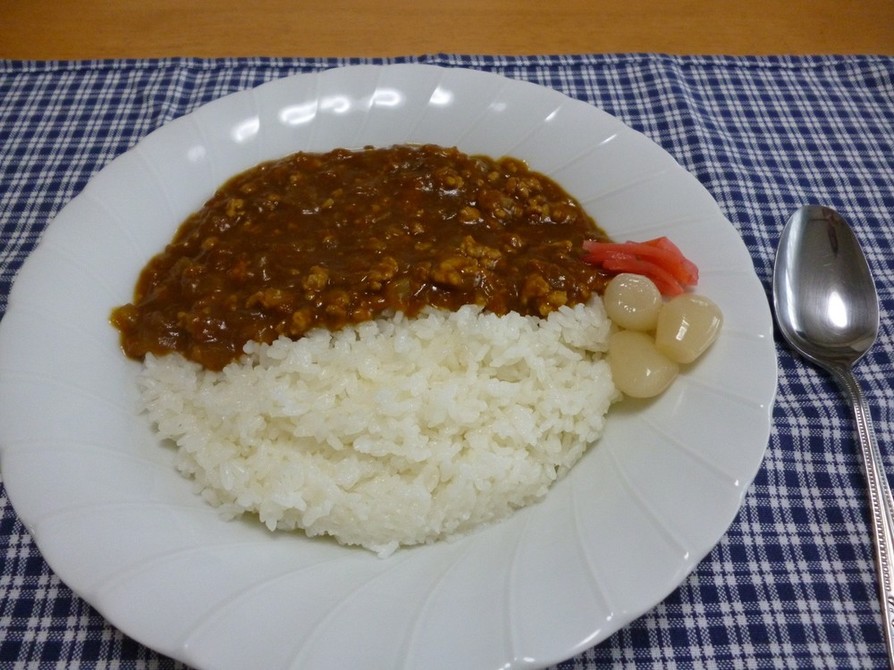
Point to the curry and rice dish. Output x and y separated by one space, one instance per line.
387 346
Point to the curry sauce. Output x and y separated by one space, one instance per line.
328 239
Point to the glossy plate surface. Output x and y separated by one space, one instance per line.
124 530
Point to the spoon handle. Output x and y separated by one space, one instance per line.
881 504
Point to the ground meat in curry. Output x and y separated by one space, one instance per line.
327 239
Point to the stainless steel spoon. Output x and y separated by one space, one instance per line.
827 308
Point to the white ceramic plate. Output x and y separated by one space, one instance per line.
123 529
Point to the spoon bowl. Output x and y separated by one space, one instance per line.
826 301
827 308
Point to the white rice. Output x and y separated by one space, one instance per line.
393 432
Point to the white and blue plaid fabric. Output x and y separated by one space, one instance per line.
792 583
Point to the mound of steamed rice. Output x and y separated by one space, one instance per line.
392 432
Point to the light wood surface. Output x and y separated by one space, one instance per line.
75 29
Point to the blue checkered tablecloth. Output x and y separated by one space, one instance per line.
792 583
